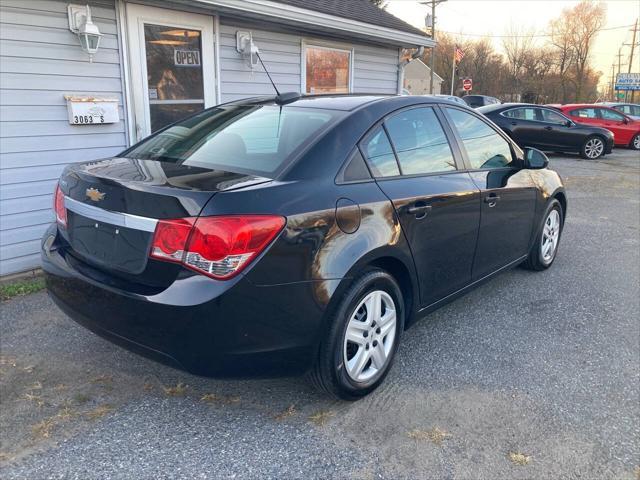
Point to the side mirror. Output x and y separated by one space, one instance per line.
568 123
535 159
625 121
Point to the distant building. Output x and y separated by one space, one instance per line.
417 76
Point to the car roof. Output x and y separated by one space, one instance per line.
507 106
343 102
582 105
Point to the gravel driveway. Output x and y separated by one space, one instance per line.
533 375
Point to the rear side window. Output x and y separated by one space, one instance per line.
420 142
521 113
379 154
254 139
584 113
484 146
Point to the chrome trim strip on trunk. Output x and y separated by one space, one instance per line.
113 218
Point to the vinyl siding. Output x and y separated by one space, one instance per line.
375 69
41 61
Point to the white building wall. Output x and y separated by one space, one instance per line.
40 62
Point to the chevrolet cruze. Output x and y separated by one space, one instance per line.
294 235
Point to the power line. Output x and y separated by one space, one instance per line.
541 35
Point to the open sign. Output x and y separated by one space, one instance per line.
186 58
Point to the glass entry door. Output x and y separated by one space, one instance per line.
172 66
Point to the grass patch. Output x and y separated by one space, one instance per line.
177 391
21 287
37 399
289 412
43 429
518 458
321 417
435 435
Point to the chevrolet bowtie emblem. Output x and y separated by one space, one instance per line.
95 194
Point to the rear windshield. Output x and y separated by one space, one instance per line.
255 139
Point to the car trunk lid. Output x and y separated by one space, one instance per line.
113 206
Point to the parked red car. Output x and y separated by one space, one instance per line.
626 131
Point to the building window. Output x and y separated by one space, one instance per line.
328 70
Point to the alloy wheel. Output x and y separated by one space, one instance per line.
636 142
594 148
550 236
370 336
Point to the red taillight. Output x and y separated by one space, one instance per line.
219 247
59 208
170 239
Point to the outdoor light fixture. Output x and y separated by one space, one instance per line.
81 24
248 49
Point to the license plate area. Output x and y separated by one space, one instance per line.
107 245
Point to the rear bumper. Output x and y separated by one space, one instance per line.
203 326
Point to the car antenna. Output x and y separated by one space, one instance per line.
281 98
268 75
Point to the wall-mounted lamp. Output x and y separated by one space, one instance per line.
248 49
81 24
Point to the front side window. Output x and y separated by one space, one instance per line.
420 142
328 70
610 115
379 154
552 117
254 139
584 113
484 146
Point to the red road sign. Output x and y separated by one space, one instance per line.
467 84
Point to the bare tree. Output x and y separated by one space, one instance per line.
587 19
517 43
561 42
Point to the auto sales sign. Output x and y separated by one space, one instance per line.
628 81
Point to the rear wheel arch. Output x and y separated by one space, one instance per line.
399 271
398 268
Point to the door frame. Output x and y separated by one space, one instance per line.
136 85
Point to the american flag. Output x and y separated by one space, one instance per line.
458 54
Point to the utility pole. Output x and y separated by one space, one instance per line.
613 76
619 69
633 44
432 57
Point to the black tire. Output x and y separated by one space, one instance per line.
635 142
584 149
535 260
329 374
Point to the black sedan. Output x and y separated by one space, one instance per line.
546 128
296 234
476 101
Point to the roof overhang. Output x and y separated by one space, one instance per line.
282 13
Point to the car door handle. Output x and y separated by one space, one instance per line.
419 209
492 199
514 123
548 128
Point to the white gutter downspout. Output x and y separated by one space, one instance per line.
404 63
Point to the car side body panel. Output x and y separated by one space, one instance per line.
270 319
